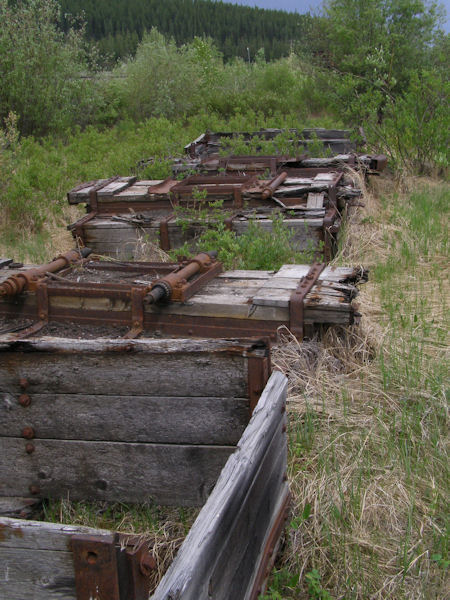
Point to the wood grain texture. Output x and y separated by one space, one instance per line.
176 420
169 474
188 577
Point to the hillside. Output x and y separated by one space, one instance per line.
118 26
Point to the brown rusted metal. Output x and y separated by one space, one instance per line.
272 186
141 564
15 284
28 433
29 448
259 369
96 568
215 185
34 489
24 400
93 193
23 383
77 228
137 312
176 285
328 230
269 552
296 301
164 239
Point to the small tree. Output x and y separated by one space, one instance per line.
41 68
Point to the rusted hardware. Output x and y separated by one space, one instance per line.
23 383
270 547
34 490
93 194
24 400
137 312
328 230
259 369
272 186
28 433
164 239
141 564
15 284
96 569
175 286
77 228
296 302
216 185
29 448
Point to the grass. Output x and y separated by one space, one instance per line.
369 417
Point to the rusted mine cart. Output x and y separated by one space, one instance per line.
164 422
366 164
336 141
123 213
192 298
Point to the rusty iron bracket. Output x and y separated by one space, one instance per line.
96 569
259 369
297 299
164 239
93 194
137 312
328 230
140 564
77 228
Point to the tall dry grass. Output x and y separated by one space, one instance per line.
368 416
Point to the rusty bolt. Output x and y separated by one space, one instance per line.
190 332
34 489
147 564
283 429
24 383
29 448
24 400
91 558
28 433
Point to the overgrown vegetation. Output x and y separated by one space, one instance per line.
368 411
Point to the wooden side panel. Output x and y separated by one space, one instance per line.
112 471
174 420
35 560
253 474
124 373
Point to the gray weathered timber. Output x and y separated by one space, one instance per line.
176 420
190 574
170 474
35 559
123 367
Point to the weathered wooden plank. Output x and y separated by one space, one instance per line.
315 201
117 472
125 367
35 560
180 420
239 549
14 507
189 574
329 273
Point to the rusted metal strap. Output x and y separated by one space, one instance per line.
258 374
269 552
137 312
93 197
328 231
96 569
77 228
296 302
164 239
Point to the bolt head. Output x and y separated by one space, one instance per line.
29 448
24 383
28 433
24 400
34 489
147 564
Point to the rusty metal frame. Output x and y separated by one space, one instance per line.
96 569
77 228
164 238
297 299
215 184
93 193
259 369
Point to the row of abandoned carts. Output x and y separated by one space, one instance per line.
137 382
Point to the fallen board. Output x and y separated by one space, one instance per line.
236 303
240 521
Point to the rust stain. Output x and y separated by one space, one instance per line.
7 532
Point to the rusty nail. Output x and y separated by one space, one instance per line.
283 409
28 433
23 383
24 400
34 489
190 332
29 448
285 477
283 429
147 564
42 315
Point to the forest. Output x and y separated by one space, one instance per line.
118 27
121 87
